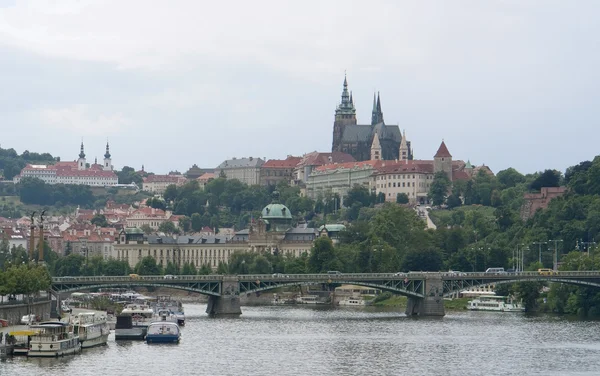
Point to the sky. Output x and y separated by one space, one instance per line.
175 83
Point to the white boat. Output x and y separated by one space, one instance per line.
352 301
495 303
308 299
54 338
92 329
173 306
133 321
163 332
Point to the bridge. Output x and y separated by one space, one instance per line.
425 290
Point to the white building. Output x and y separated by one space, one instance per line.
76 172
159 183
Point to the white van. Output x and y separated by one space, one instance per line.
495 270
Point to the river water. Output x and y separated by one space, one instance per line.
292 340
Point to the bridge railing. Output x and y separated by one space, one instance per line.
153 278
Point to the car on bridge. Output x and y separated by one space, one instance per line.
280 275
544 271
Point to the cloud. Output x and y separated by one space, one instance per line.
81 121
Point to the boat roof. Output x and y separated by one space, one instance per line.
23 332
50 324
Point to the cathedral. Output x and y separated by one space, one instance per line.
367 141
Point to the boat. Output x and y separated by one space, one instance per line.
280 300
54 338
164 302
20 341
92 329
495 303
352 301
309 299
133 321
163 332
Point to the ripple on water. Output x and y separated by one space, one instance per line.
323 341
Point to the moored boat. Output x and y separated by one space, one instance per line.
133 322
54 338
352 301
163 332
495 303
92 329
173 306
21 341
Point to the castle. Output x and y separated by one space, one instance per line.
375 141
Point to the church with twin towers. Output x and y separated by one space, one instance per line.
367 141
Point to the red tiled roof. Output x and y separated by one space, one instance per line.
78 173
460 175
206 176
443 151
289 162
318 159
400 167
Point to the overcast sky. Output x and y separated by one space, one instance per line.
173 83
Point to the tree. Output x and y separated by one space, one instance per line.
509 178
68 248
188 269
439 188
148 266
168 227
185 223
222 268
427 260
99 220
548 178
358 194
196 222
402 198
322 255
453 201
171 268
147 229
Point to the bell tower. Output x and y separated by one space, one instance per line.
107 166
345 114
81 160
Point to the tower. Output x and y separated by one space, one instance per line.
442 161
81 160
376 114
107 162
345 114
403 154
376 148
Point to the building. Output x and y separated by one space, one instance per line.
148 216
246 170
357 139
273 232
340 178
204 179
195 172
312 160
76 172
276 170
159 183
15 237
536 201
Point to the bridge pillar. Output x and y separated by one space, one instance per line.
433 303
229 301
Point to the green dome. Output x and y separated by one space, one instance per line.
276 211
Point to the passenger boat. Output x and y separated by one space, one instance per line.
495 303
54 338
173 306
92 329
308 299
133 322
163 332
351 301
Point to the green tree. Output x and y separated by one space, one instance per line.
68 248
322 256
439 188
171 268
99 220
205 269
196 222
148 266
168 227
548 178
147 229
427 260
402 198
185 223
188 269
222 268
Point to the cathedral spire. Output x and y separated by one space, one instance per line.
346 107
376 114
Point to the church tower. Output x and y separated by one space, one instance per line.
404 152
376 148
81 160
442 161
376 114
107 161
345 114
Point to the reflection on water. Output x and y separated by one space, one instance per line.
293 340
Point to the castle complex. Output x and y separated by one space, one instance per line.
358 139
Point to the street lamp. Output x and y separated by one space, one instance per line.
555 263
540 250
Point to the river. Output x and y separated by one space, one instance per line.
292 340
